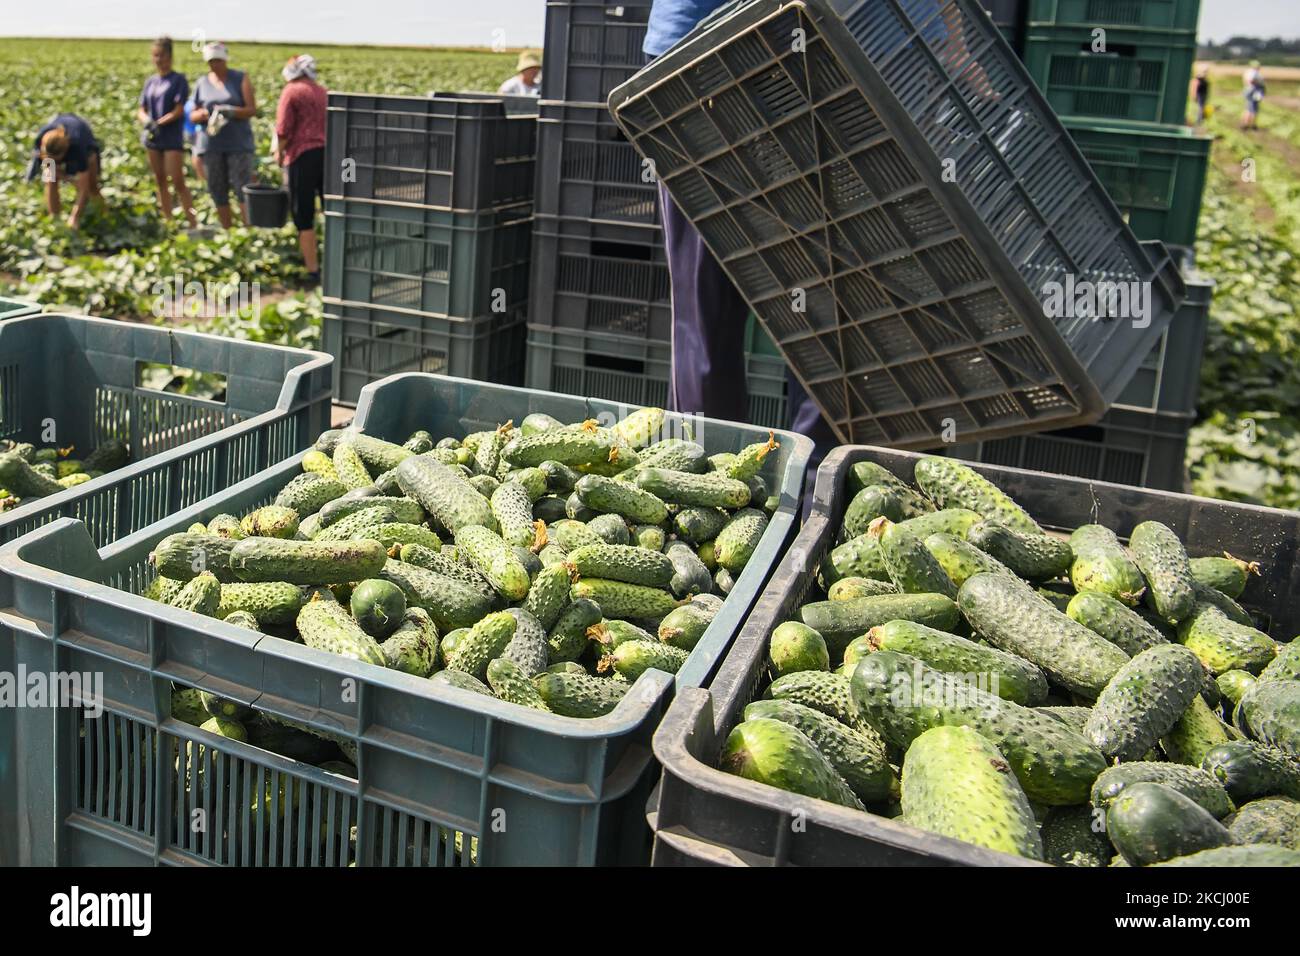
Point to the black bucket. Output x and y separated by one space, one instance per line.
268 206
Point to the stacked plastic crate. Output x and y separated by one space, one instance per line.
428 231
1118 72
600 317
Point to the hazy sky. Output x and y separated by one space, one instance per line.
432 22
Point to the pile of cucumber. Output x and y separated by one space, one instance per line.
548 564
1063 698
28 472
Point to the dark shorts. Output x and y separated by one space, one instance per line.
306 182
227 173
165 144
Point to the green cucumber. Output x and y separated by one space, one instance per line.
403 509
378 607
1234 684
620 599
621 562
797 647
839 622
548 594
830 694
568 637
308 493
226 526
486 640
241 618
511 684
1144 701
1194 783
535 422
579 695
780 755
859 557
571 535
572 445
1163 561
1286 666
611 529
649 536
634 658
327 626
412 647
690 574
450 601
1149 823
957 784
749 460
682 488
848 589
184 556
683 627
1227 574
895 502
24 481
1102 565
444 494
1113 620
950 484
1197 732
606 495
1273 820
1270 713
1002 674
1013 618
202 595
496 560
349 467
901 697
739 538
306 562
271 521
676 454
345 529
440 563
960 559
1075 836
1248 770
1224 645
461 681
270 602
513 510
560 478
1036 557
909 565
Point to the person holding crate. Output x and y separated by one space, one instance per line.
300 149
223 105
66 149
162 114
708 314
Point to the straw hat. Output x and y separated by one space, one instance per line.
528 60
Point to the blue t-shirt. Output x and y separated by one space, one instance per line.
81 141
161 95
670 20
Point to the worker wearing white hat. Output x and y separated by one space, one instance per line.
223 105
527 80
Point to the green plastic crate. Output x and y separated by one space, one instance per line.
451 264
83 376
17 308
1150 14
437 766
1142 76
1155 174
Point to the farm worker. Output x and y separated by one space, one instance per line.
709 315
527 80
66 149
300 148
162 113
1202 93
1253 81
223 105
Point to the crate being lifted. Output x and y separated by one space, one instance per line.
893 196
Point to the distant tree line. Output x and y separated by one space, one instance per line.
1250 48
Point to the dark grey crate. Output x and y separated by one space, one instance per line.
702 816
592 47
600 277
444 263
818 168
1169 379
588 169
465 151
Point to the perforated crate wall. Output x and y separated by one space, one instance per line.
816 172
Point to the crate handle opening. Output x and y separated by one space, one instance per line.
180 380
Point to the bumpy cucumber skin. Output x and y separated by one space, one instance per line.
849 589
620 599
1197 732
1054 765
698 525
242 619
1073 717
896 502
349 467
960 559
1016 679
1224 645
950 484
579 695
958 784
681 488
1227 574
1163 561
327 626
1073 836
548 594
749 460
859 557
395 534
451 602
611 529
1272 820
513 510
275 602
857 757
1224 856
202 595
486 640
1248 770
443 493
1149 823
352 525
1270 713
437 561
493 558
690 574
684 627
271 521
639 428
527 649
839 622
823 691
1012 618
634 658
797 647
780 755
1102 565
1194 783
568 637
621 498
462 681
623 562
1234 684
1035 557
738 540
1115 621
413 647
1144 700
403 509
185 555
24 481
306 562
909 565
570 446
511 684
1286 666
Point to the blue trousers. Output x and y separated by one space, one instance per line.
709 316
